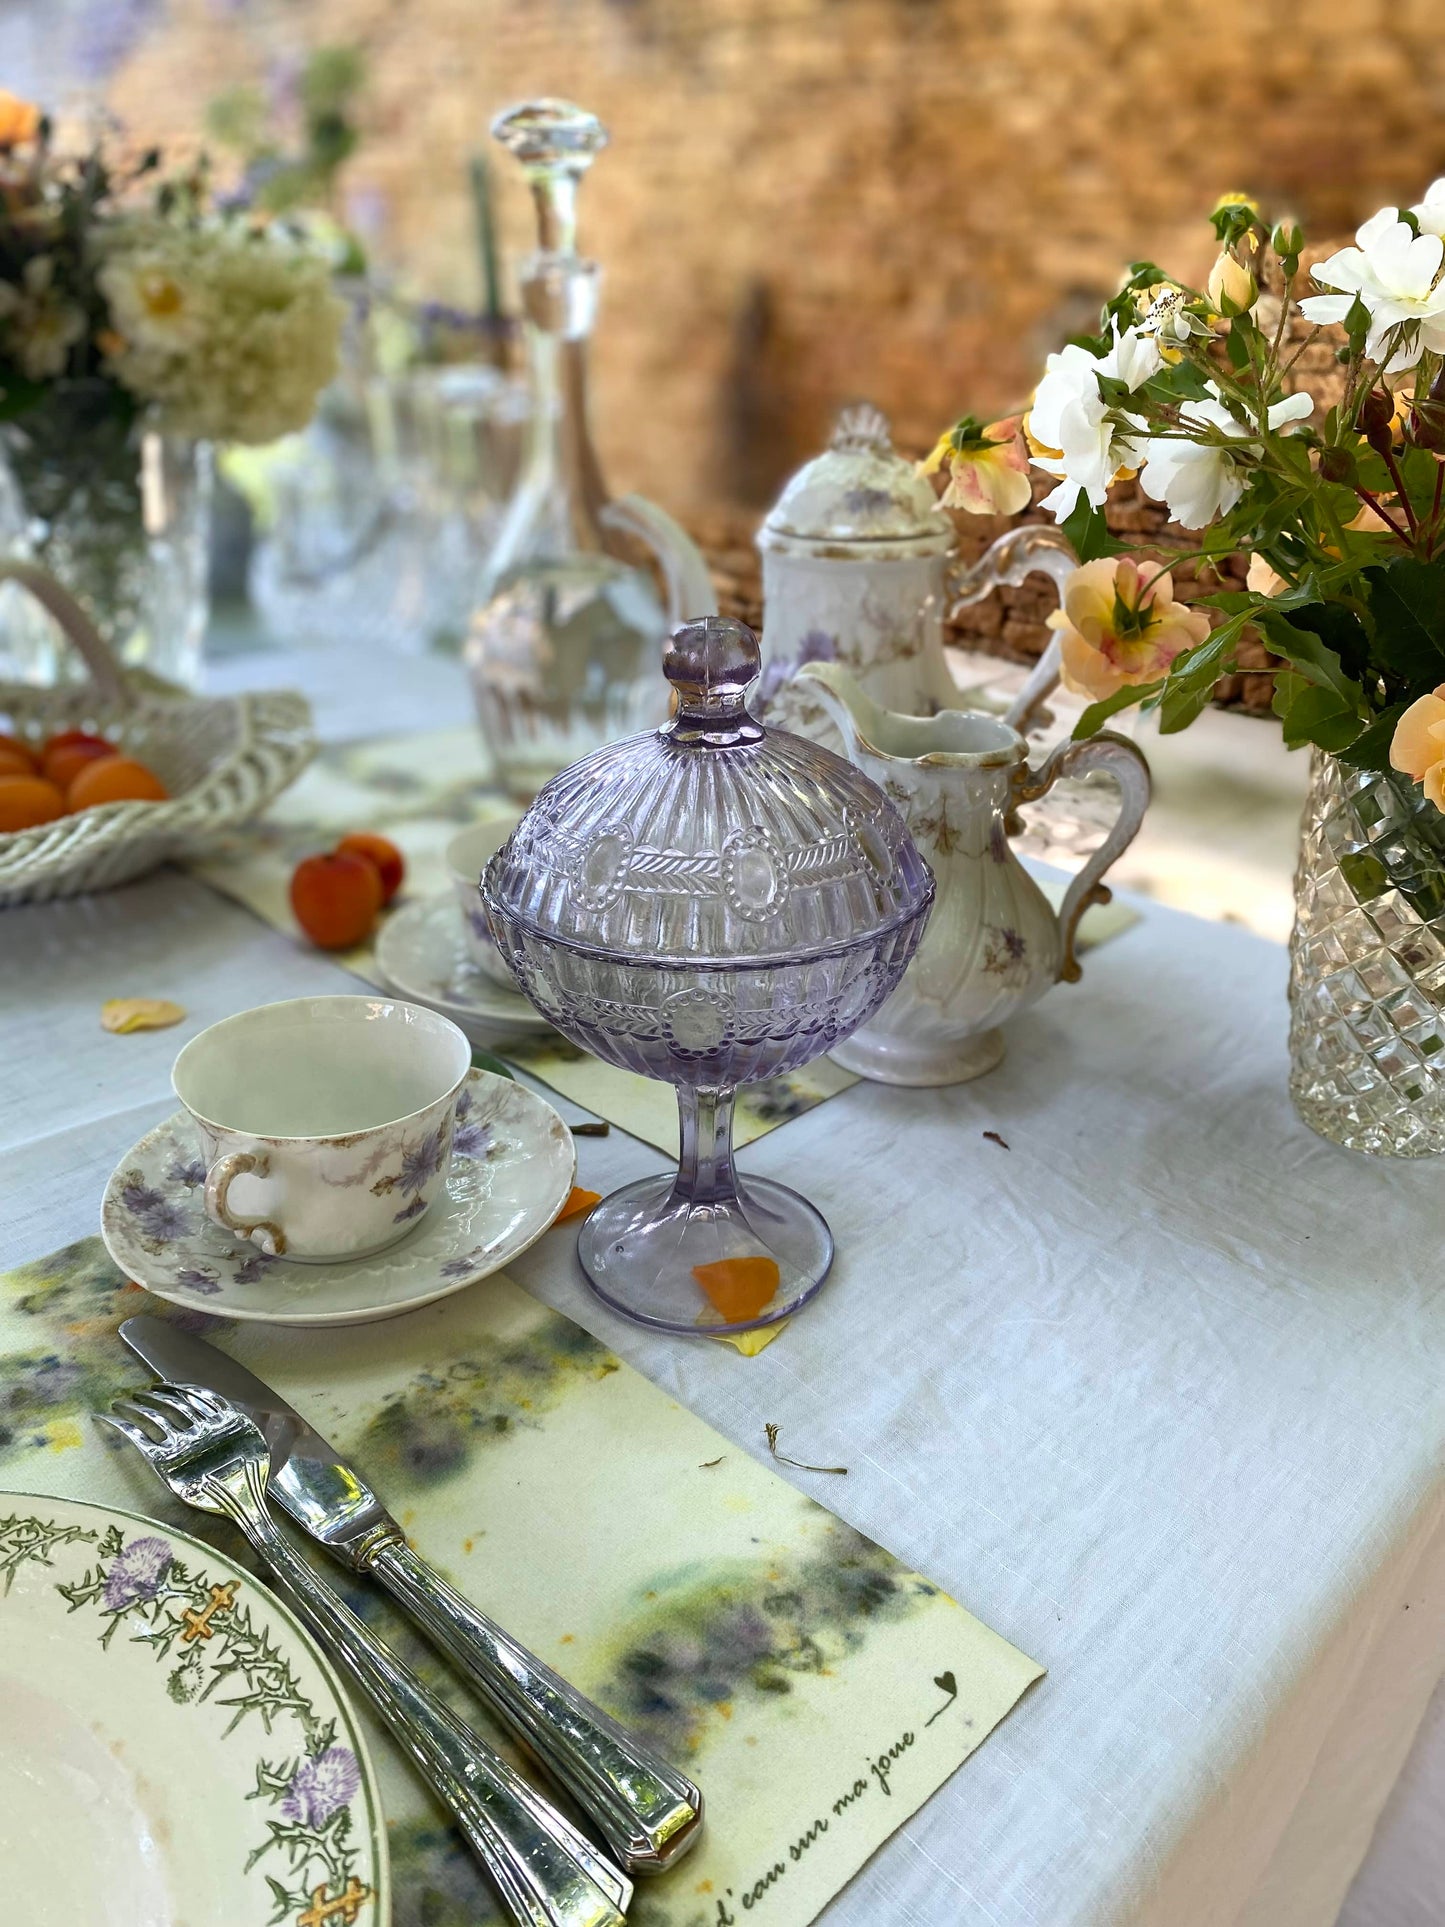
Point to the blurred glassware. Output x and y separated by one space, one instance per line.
563 640
382 510
709 903
120 514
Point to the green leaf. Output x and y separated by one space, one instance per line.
1311 714
1097 714
1190 682
1088 532
1407 600
1371 748
1314 639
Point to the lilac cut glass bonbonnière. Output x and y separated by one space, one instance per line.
709 903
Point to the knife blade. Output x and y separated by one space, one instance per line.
648 1812
309 1478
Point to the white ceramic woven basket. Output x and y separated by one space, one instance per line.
222 758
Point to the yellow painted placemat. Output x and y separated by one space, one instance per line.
816 1689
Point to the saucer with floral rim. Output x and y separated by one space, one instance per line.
512 1167
423 955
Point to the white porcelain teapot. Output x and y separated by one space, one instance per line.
994 943
860 568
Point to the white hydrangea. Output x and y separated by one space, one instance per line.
230 334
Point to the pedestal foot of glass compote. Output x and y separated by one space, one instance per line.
704 1252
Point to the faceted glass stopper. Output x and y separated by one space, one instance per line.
556 142
712 663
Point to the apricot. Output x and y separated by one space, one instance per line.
65 756
115 779
336 898
28 800
16 759
390 864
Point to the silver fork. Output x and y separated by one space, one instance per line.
546 1872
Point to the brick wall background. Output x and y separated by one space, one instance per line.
808 201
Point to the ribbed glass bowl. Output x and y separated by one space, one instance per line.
708 904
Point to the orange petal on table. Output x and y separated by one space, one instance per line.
139 1013
578 1201
739 1287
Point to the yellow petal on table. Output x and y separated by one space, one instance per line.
139 1013
758 1339
578 1201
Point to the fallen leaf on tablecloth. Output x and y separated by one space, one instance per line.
578 1201
783 1459
139 1013
739 1288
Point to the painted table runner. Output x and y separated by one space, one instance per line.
817 1690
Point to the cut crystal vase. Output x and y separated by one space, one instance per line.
1367 964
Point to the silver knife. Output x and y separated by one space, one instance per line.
648 1813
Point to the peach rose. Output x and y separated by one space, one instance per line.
988 468
1417 748
19 119
1121 625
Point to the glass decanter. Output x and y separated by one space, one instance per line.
563 640
710 903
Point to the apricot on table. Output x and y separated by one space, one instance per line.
16 758
26 801
115 779
390 864
336 898
64 756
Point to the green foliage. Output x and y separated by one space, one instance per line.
1089 532
1407 604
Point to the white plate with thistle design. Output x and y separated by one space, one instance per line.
512 1166
173 1747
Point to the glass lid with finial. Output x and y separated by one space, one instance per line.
710 903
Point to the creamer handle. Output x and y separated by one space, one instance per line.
1124 761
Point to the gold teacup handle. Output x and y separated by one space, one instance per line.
264 1232
1124 761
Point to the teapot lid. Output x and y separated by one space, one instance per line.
712 840
859 494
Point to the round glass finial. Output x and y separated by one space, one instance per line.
556 142
712 663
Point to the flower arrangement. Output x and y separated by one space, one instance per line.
146 299
1343 517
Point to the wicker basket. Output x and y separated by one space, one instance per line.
222 758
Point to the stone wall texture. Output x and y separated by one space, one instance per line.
810 201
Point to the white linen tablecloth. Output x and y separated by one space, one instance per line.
1156 1391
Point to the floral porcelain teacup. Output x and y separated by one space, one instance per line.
326 1122
467 855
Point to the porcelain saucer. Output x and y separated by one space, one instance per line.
423 954
204 1765
512 1168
